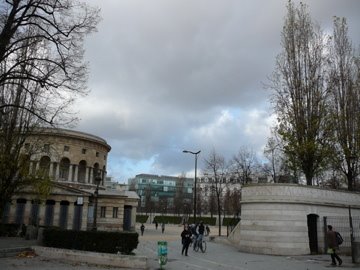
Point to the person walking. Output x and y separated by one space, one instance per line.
156 224
207 230
142 228
332 245
185 239
162 227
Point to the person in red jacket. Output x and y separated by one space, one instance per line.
332 245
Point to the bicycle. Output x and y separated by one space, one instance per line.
200 245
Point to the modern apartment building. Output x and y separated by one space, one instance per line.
159 193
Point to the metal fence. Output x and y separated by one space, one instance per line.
343 226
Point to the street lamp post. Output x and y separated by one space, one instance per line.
196 155
96 194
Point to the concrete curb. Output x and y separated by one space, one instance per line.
11 252
106 259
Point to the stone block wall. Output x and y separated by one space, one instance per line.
274 217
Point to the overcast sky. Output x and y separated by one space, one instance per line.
169 75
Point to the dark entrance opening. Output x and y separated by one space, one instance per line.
127 217
312 220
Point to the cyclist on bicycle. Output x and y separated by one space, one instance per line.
201 230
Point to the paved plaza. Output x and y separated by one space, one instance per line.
219 255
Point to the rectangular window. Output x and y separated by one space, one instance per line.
103 211
46 148
115 212
66 148
97 154
83 151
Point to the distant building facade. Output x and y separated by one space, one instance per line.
71 159
159 193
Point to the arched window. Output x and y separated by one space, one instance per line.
82 171
44 165
64 169
20 210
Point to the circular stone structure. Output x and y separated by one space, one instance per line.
287 219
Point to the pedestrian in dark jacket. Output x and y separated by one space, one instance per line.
142 228
185 239
332 245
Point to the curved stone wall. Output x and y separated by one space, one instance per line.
68 156
274 217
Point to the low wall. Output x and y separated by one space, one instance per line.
113 260
274 217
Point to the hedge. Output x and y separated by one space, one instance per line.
230 221
207 220
141 218
11 229
98 241
168 219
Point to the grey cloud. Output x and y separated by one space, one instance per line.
162 73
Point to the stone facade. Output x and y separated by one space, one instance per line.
72 160
275 218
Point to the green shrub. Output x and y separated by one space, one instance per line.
9 230
141 218
207 220
98 241
230 221
168 219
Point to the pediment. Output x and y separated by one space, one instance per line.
63 189
67 190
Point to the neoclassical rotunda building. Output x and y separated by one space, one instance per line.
73 161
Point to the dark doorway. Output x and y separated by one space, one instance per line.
20 210
77 216
64 207
312 220
127 217
49 212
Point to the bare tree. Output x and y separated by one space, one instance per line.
244 164
41 72
216 168
300 96
344 86
179 195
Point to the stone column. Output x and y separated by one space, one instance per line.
51 170
56 219
70 173
91 175
76 173
87 175
37 166
84 222
70 220
133 218
57 173
31 166
12 211
27 212
42 207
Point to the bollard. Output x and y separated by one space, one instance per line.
162 253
